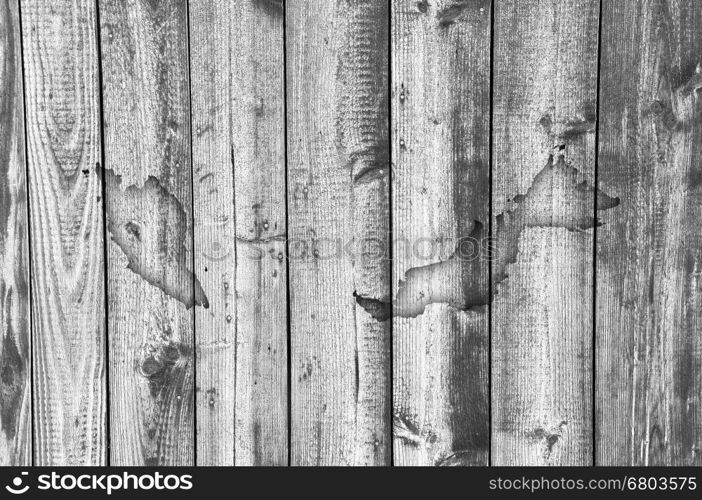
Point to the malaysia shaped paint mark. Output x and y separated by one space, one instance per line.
556 198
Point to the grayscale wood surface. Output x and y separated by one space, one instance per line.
649 296
337 136
368 232
65 199
441 172
239 154
257 92
148 181
15 369
545 96
214 225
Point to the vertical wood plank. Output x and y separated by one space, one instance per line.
338 178
258 156
148 180
65 199
15 369
239 164
213 212
545 91
649 257
441 175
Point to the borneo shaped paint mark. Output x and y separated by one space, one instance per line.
149 228
557 198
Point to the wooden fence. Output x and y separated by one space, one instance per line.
350 232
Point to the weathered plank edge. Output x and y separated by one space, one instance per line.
99 415
23 453
103 187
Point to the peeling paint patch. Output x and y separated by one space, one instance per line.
154 249
557 198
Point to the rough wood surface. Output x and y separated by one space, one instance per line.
66 212
213 211
239 163
148 182
171 274
649 256
258 162
545 91
338 217
440 151
15 369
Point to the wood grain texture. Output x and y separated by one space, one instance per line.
545 90
65 199
441 174
258 163
239 165
148 178
213 211
15 369
649 256
338 220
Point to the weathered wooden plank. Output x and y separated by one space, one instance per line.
440 205
213 212
545 100
239 156
258 156
66 214
649 255
338 217
15 382
148 182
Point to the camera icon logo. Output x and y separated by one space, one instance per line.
16 488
